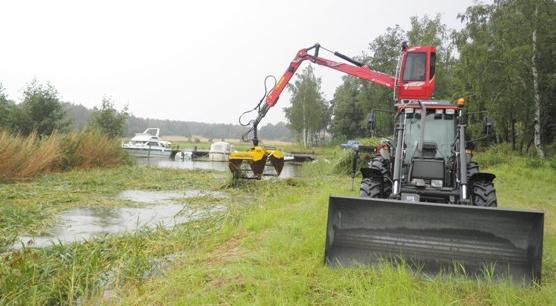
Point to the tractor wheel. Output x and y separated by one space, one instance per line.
371 187
472 168
386 188
484 194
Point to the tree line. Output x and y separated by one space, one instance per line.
502 62
42 111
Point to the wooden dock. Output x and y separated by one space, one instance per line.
301 157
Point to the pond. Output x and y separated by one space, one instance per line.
159 208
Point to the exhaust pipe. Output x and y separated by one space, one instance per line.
436 238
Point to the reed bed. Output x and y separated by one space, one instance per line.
24 157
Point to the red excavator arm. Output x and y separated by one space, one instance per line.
414 78
416 64
360 71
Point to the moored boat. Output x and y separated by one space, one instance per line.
148 144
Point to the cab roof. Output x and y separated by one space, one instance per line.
428 104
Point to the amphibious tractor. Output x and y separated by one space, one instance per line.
423 200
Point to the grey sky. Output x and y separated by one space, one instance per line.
186 60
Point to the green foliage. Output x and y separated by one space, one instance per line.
109 120
40 110
5 108
494 70
348 114
355 98
552 163
308 114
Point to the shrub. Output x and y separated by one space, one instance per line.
498 154
552 163
534 163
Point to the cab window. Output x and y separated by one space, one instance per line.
415 67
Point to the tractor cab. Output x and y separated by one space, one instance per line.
426 133
428 139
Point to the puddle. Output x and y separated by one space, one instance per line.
78 224
289 170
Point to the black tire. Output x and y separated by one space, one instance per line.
371 187
386 188
472 168
484 194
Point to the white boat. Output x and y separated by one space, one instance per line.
148 144
288 157
220 151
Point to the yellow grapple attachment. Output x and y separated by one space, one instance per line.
251 164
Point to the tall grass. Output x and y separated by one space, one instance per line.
23 157
90 149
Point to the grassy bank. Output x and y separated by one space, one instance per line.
24 157
266 249
274 255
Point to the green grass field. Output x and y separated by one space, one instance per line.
266 249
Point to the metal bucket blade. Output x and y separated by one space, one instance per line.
235 166
258 166
277 163
435 237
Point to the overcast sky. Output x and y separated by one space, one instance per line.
186 60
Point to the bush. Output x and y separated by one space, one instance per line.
498 154
534 163
552 163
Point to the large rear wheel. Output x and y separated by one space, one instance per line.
484 194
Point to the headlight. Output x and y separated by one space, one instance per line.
436 183
418 182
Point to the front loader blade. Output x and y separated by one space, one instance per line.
436 238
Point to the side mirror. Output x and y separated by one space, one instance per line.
371 121
487 126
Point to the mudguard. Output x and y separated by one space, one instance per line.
434 238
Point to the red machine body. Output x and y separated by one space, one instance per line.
414 79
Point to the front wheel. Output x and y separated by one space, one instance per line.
484 194
370 188
374 187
